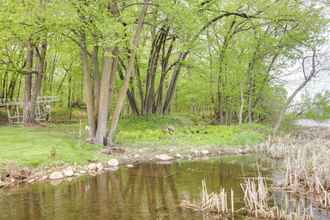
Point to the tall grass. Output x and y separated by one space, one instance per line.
214 203
306 159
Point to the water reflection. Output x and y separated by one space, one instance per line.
147 191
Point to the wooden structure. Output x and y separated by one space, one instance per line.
14 109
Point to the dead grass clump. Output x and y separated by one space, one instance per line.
308 172
257 199
306 161
213 203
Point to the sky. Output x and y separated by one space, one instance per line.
319 84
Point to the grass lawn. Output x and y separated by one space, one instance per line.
41 146
37 146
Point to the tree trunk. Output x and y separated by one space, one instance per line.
307 78
251 85
240 116
157 44
164 71
89 98
139 84
130 71
285 107
40 75
28 114
96 74
172 86
109 69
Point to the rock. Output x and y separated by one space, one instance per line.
2 184
129 165
242 151
205 152
196 152
43 178
165 162
99 166
29 181
164 157
113 150
92 167
171 128
68 172
82 171
136 155
56 175
113 163
178 156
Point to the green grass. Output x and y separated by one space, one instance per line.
141 131
34 146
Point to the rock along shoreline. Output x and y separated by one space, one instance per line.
15 176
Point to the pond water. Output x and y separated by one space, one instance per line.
146 191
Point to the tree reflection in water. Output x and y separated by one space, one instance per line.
147 191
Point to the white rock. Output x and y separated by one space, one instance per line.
82 172
165 162
164 157
56 175
113 163
205 152
136 155
68 172
92 167
129 165
178 156
99 166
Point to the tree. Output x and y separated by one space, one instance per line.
309 72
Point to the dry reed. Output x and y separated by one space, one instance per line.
214 203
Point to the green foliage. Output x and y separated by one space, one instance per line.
317 107
235 51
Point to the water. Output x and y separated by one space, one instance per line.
147 191
312 123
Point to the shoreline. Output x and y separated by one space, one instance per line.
15 176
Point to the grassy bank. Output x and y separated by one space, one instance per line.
65 143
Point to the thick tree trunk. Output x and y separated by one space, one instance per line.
36 90
109 70
28 114
129 73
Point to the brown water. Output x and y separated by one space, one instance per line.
147 191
